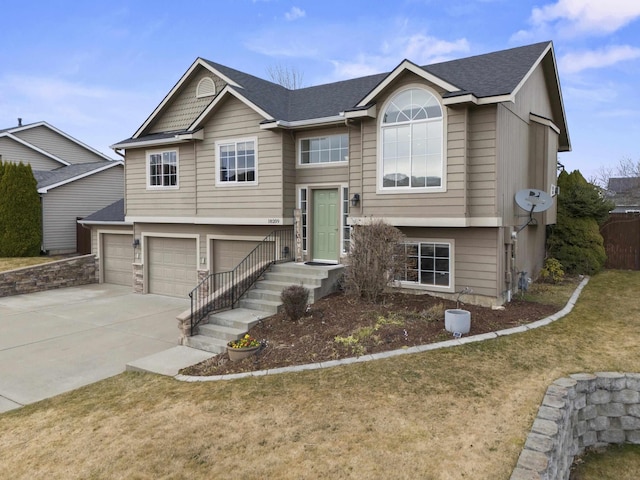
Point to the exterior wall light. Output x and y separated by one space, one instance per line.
355 200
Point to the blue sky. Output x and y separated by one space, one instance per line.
97 69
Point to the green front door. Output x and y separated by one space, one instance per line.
325 225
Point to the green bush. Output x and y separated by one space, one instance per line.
20 215
295 299
552 271
575 240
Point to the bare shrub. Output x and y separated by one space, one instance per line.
372 261
295 299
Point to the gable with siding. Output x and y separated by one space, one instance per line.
51 141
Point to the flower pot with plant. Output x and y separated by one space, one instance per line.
242 348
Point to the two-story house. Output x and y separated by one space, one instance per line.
74 180
438 151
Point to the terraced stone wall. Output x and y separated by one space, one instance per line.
582 411
68 272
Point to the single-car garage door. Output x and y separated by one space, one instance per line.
227 254
172 264
117 257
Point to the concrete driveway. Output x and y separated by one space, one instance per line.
56 341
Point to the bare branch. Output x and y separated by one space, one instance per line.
288 77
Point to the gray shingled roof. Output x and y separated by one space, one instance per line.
46 178
110 213
487 75
623 184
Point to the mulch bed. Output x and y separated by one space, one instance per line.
399 320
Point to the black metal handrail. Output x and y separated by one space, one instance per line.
223 290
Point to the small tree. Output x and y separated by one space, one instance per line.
575 240
373 260
20 215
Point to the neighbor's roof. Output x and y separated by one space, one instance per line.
49 179
113 213
488 76
623 184
13 130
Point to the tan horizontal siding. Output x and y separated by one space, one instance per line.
142 201
451 203
54 143
234 120
482 159
476 260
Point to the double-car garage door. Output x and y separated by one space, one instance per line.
172 263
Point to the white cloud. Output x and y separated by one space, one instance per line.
580 17
294 14
419 48
94 114
604 57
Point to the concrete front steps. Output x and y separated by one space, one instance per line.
263 300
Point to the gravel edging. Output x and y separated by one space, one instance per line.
394 353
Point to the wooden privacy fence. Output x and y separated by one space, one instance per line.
621 234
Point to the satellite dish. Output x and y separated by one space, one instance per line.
533 200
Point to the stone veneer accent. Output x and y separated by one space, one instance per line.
138 278
582 411
68 272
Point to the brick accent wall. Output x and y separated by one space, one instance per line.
68 272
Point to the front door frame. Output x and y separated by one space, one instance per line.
313 230
309 188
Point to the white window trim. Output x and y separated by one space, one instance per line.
380 167
148 154
321 164
227 141
452 267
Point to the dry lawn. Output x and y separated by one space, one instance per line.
619 462
461 413
11 263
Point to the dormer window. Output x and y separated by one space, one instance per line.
411 133
206 88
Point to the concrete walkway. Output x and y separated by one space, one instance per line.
56 341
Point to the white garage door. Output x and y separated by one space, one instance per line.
172 266
117 257
227 254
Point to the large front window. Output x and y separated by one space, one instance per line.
425 263
412 137
237 162
329 149
163 169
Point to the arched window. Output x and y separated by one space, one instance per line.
411 133
206 87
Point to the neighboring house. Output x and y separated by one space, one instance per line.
74 179
438 151
625 193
